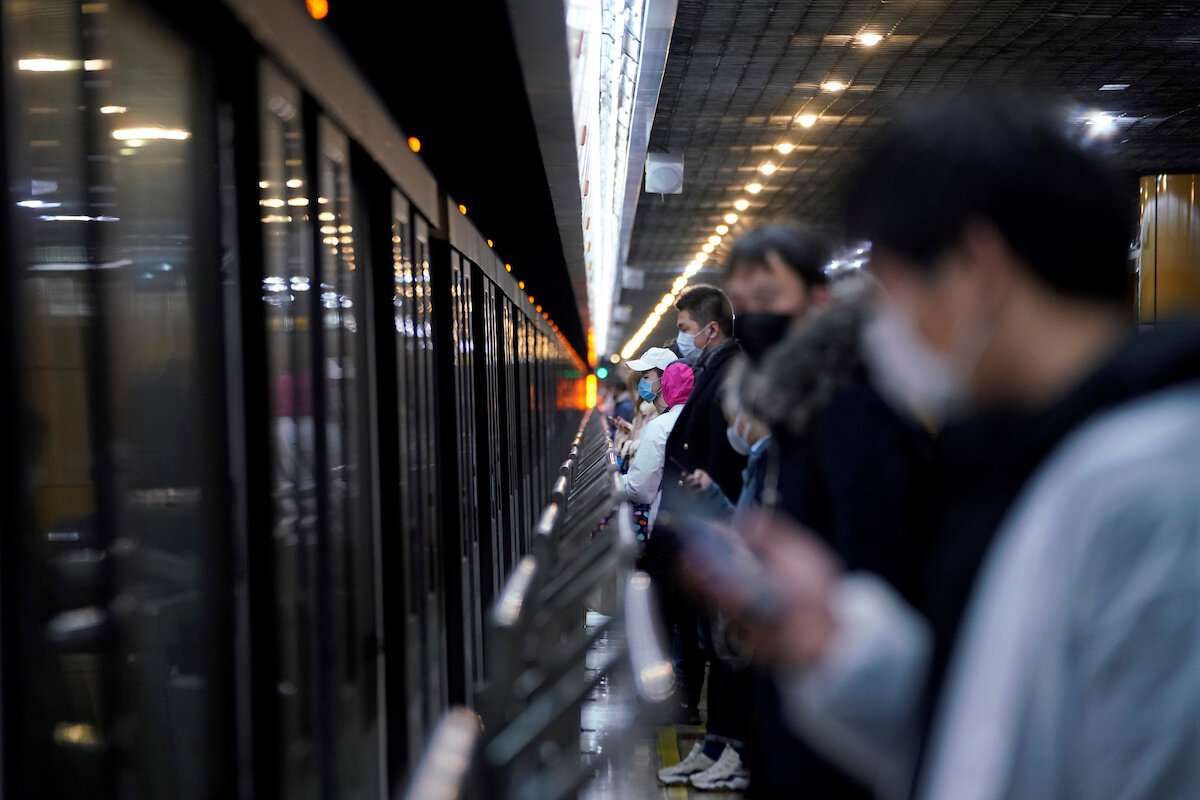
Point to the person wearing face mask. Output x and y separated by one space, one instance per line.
719 762
775 276
1050 644
704 335
842 462
666 383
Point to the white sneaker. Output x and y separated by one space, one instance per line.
695 763
727 774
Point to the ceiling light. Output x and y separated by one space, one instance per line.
702 257
113 109
714 240
667 299
722 229
124 134
754 188
731 218
741 204
47 64
785 148
807 120
706 247
1114 87
870 39
833 86
1102 124
767 168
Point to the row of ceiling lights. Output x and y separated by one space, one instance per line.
1100 123
767 168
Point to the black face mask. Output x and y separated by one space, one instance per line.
759 331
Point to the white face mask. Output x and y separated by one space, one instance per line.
737 439
913 377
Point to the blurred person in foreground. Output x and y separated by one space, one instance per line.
841 462
1050 647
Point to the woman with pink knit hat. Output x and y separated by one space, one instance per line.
666 382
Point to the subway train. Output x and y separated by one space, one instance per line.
277 420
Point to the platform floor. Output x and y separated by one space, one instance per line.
633 774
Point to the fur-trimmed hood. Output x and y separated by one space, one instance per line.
799 376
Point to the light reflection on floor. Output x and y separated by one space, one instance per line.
632 773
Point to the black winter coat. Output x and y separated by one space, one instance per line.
698 439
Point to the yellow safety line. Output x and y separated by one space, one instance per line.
668 755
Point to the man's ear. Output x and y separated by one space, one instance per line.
994 266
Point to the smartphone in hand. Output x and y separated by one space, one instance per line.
717 551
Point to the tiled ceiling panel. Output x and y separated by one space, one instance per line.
740 72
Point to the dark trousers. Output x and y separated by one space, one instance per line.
659 561
780 764
730 695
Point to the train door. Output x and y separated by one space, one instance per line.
463 576
116 558
427 468
345 441
324 528
493 566
409 703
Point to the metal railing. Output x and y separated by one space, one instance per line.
523 740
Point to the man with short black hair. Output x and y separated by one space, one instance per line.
698 441
775 275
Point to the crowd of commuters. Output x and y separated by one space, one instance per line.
966 486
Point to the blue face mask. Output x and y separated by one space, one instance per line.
687 343
646 390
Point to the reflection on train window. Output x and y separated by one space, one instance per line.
348 551
287 290
424 467
408 318
114 555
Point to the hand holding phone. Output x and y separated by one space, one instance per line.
770 577
719 557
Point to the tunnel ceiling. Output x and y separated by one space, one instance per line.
740 73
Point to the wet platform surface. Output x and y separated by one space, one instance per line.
633 772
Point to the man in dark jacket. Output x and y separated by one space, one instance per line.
698 441
705 326
847 464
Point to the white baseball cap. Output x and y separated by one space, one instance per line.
654 358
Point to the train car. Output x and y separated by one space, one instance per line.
278 420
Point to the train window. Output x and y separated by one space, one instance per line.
425 466
467 583
118 635
348 552
406 667
288 287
